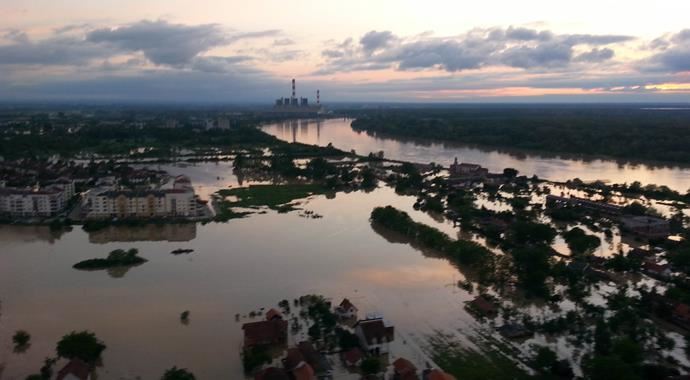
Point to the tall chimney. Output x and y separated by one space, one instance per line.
318 97
293 88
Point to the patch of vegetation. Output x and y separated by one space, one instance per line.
580 242
21 340
271 196
116 258
468 364
82 345
175 373
627 132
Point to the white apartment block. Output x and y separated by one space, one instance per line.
179 201
37 201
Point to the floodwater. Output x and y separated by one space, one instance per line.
237 267
341 135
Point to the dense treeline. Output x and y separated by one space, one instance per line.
462 252
624 132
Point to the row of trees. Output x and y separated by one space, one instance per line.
621 132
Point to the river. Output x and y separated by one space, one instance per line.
341 135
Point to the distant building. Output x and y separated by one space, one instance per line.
648 227
37 201
467 171
605 207
375 335
180 201
223 123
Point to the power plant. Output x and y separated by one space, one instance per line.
293 104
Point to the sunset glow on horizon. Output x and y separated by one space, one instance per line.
353 51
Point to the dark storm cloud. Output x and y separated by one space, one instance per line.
673 53
596 55
164 43
161 42
374 40
514 47
52 51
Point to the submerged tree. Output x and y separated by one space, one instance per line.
82 345
175 373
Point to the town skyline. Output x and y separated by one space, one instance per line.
227 52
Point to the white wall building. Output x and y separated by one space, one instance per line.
179 201
37 201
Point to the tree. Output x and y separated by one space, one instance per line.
370 366
21 340
602 338
175 373
82 345
581 243
510 172
609 368
545 359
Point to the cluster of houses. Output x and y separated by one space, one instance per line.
303 361
45 189
647 227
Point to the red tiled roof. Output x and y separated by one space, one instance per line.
347 305
682 310
265 333
404 367
376 329
304 372
483 305
353 356
76 368
273 313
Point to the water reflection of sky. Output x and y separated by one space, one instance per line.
339 133
237 267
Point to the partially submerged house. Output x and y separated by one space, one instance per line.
353 357
403 369
75 369
265 333
483 306
346 309
374 335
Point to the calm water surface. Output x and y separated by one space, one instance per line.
238 267
339 133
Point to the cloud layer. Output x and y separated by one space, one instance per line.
211 62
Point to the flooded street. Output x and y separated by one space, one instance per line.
252 263
339 133
237 267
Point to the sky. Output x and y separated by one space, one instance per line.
227 51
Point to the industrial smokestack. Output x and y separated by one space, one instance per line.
293 88
318 97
